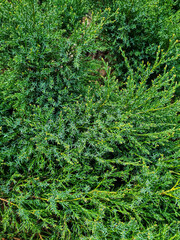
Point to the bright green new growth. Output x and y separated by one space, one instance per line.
85 156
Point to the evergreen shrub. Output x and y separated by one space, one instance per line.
85 156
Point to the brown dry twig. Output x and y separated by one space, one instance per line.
4 200
40 236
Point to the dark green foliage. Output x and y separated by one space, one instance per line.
139 28
86 156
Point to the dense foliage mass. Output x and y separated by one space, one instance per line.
89 145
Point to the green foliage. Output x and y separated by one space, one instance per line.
139 28
86 156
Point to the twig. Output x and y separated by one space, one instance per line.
40 236
4 200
